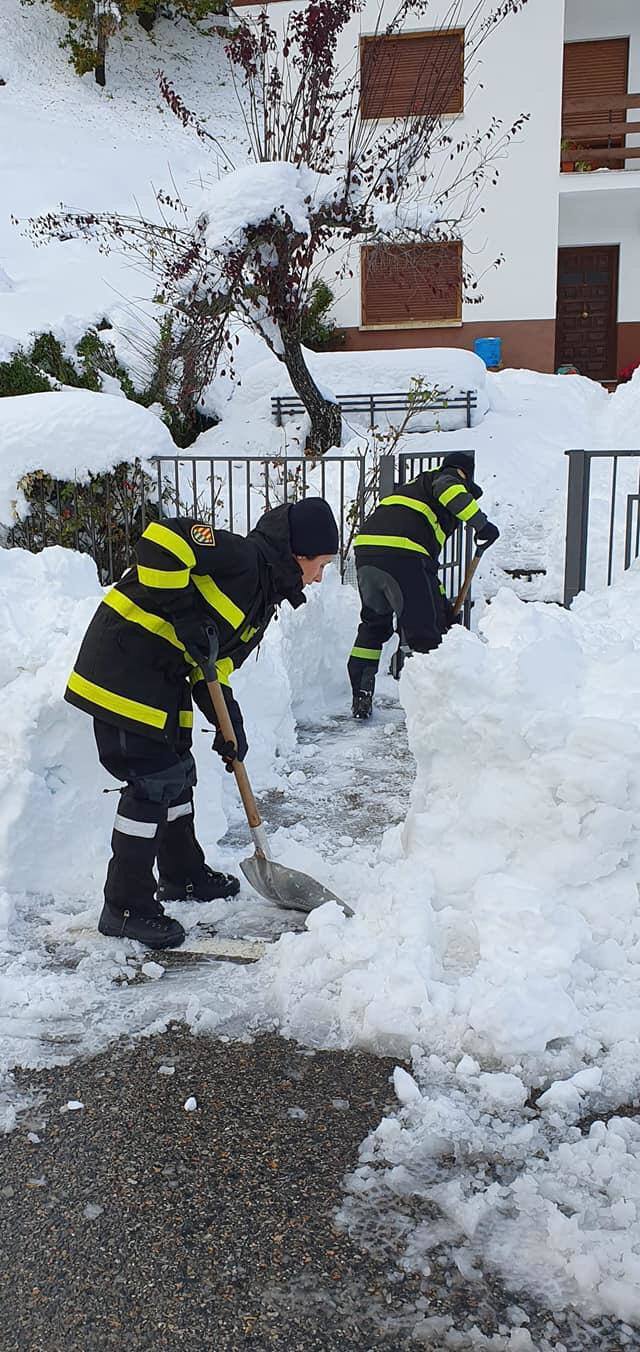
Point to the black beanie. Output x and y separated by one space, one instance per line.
464 460
312 528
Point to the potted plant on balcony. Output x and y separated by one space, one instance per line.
566 148
583 167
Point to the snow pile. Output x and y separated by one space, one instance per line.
451 371
50 779
498 936
317 639
70 434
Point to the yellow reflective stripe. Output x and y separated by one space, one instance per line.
154 577
185 718
390 542
154 623
196 675
450 493
466 513
248 633
398 500
222 604
224 668
116 704
169 540
367 654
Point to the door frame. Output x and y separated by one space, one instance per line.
614 252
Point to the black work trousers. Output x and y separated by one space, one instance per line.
399 585
154 818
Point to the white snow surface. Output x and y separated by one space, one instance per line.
497 931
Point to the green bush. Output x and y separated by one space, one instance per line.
20 376
103 517
318 332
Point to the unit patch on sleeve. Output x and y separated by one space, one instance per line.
202 534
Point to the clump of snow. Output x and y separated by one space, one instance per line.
153 970
190 1105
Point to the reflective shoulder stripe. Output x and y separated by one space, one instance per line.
398 500
156 577
185 719
224 669
169 539
390 542
466 513
116 704
450 493
222 604
366 654
136 615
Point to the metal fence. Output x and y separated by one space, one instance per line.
400 401
105 516
102 517
603 518
233 492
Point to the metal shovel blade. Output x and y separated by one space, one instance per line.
287 887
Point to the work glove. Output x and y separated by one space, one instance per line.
486 537
449 618
201 642
225 749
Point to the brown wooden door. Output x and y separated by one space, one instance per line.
587 310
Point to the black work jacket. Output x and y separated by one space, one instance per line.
134 668
420 516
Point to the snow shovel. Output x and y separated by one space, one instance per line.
287 887
469 576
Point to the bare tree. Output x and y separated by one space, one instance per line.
325 173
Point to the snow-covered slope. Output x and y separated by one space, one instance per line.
63 140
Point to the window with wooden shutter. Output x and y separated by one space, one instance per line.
412 285
412 74
595 70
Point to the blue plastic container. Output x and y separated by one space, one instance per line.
490 349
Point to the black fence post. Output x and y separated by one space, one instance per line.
159 482
633 501
387 475
575 559
468 408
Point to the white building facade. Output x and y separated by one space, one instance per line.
565 214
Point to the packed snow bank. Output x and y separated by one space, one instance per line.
72 433
497 936
50 780
451 370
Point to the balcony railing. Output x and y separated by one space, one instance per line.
595 131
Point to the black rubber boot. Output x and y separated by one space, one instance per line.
362 706
155 930
206 885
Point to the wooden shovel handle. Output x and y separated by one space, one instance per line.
464 590
242 779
